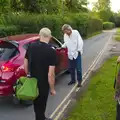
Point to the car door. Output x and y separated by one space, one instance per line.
62 57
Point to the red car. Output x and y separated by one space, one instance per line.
12 52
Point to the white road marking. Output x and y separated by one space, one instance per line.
84 79
61 112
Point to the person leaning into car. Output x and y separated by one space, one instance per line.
74 44
40 58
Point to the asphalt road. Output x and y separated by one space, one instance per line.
92 47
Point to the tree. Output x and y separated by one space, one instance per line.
103 8
36 6
4 6
102 5
49 6
24 5
116 19
76 5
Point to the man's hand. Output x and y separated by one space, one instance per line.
53 92
118 60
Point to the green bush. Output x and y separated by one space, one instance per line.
79 22
8 30
108 25
32 23
94 25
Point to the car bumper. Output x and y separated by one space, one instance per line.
6 90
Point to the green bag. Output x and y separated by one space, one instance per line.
26 88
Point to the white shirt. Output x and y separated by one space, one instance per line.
74 43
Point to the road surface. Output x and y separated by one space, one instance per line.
92 47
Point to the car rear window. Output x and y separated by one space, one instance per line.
7 51
25 46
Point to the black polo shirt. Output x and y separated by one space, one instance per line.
40 56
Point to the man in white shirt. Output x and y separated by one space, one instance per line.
73 41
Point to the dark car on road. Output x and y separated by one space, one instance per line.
12 52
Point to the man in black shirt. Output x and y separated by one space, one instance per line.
40 58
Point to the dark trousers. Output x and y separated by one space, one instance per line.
118 112
40 105
76 64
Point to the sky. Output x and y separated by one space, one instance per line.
115 4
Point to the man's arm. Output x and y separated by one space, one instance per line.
26 65
51 72
51 79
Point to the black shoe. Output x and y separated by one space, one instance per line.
70 83
48 119
79 85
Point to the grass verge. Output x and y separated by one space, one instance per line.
117 36
98 102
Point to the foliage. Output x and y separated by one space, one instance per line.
49 6
103 9
25 5
108 25
116 19
94 25
98 102
32 23
102 5
8 30
76 5
4 6
105 15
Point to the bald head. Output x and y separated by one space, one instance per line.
45 34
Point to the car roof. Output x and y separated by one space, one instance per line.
20 38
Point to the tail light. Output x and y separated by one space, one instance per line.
9 67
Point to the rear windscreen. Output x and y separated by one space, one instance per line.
7 51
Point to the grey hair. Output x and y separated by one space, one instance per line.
45 32
66 27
